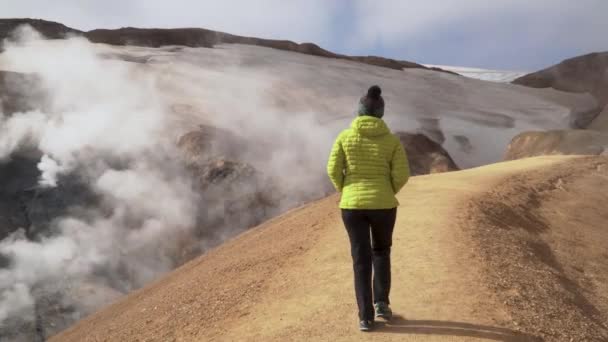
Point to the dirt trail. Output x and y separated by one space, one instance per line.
291 278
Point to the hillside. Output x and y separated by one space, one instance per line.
123 162
582 74
506 252
601 122
49 29
191 37
579 74
560 142
199 86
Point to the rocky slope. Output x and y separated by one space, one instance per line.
188 81
505 252
601 122
192 37
583 74
586 73
565 142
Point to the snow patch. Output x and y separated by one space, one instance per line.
503 76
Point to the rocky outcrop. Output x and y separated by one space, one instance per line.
564 142
209 142
588 73
426 156
234 194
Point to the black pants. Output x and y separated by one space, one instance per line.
368 254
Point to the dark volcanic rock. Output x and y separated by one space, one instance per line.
425 156
28 210
588 73
24 204
192 37
17 175
19 92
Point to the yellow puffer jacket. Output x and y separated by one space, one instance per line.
368 165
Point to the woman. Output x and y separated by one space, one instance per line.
368 166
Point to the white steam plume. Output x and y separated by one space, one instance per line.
106 121
100 112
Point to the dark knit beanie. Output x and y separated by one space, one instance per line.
372 104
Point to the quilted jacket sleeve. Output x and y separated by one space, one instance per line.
400 168
335 164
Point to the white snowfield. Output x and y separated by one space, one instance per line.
504 76
284 97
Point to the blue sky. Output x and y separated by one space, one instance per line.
501 34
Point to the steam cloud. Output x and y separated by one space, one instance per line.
100 114
106 123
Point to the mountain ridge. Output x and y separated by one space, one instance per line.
192 37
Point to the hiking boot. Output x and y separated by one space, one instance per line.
383 310
366 325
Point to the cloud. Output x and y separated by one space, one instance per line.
296 20
481 31
470 32
395 21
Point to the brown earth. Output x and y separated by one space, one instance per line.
192 37
565 142
583 74
509 252
542 235
601 122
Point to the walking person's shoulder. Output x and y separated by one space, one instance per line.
344 134
394 138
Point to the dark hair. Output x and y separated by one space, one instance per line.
374 92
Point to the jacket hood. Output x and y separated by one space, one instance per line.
370 126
